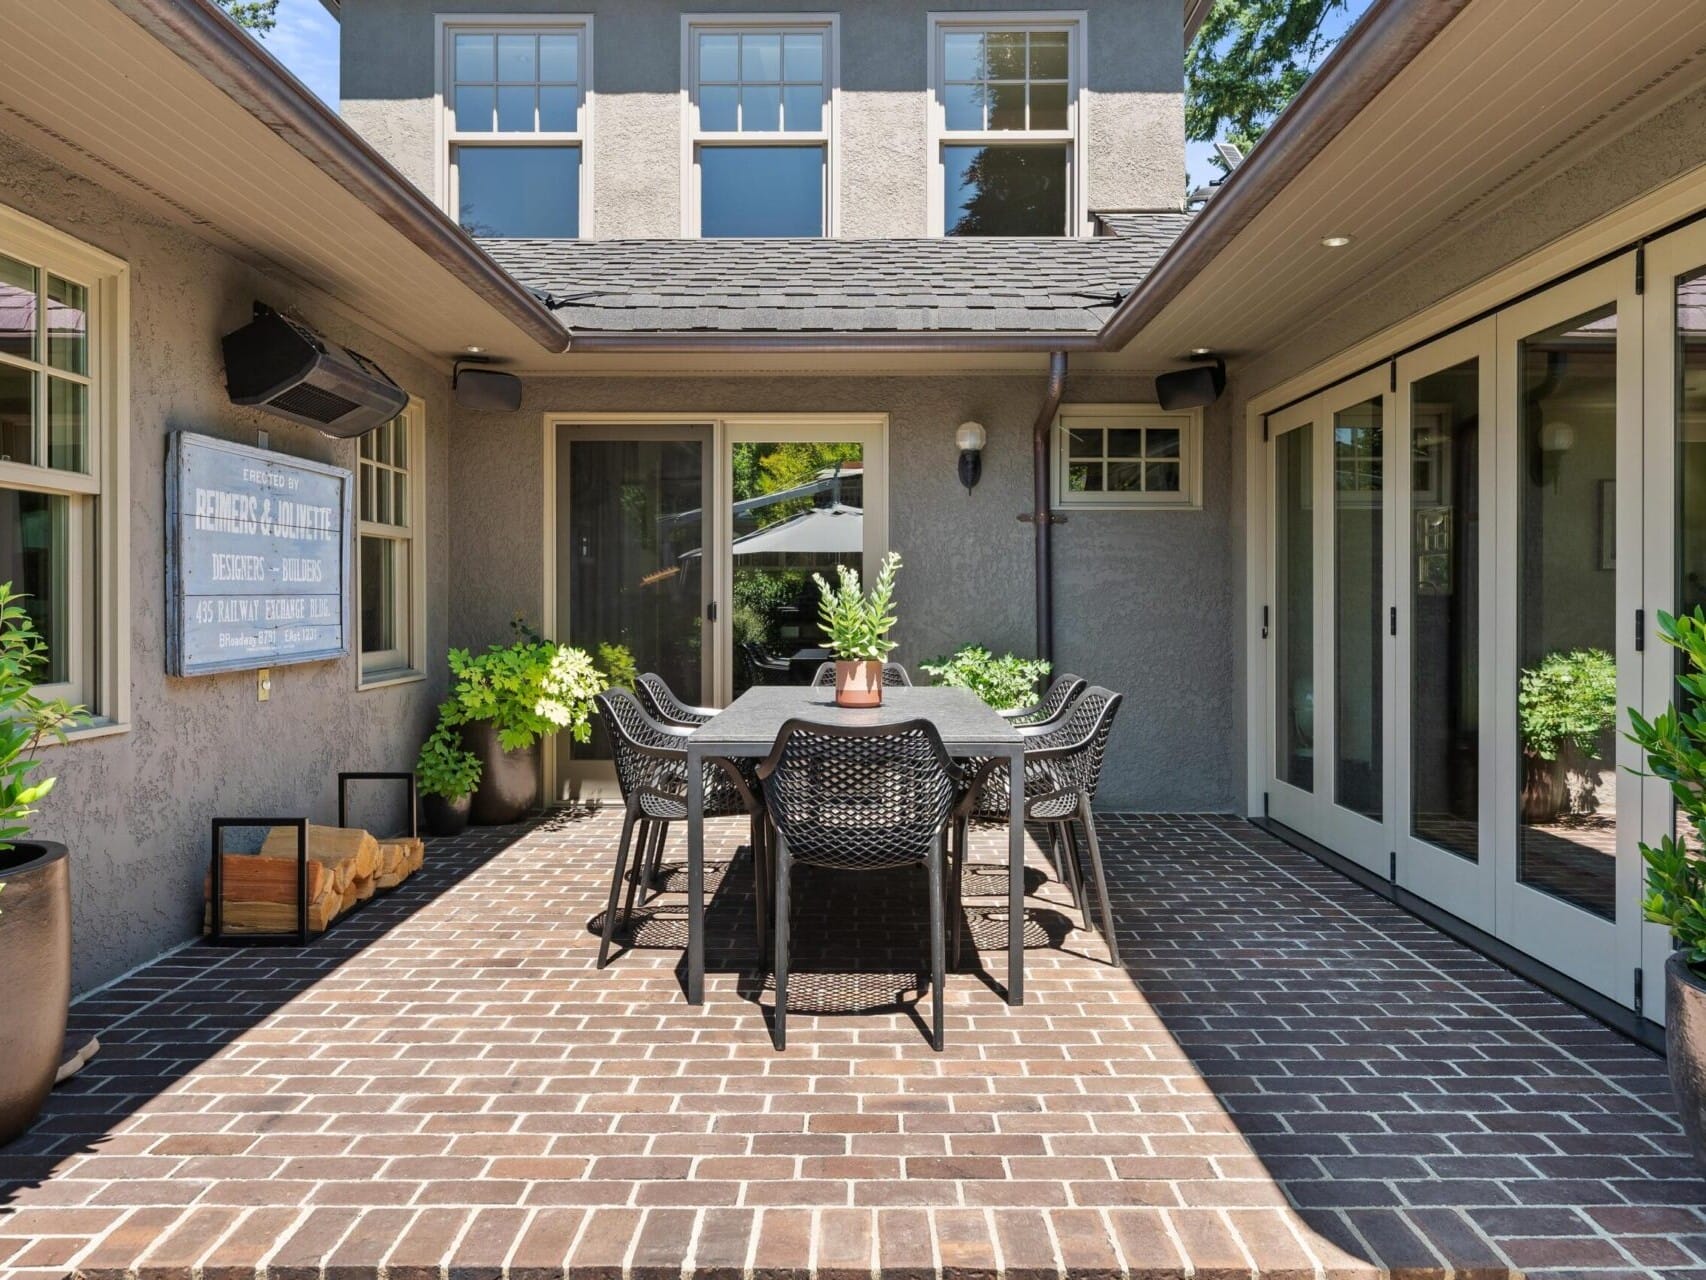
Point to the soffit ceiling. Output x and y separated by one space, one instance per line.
1507 95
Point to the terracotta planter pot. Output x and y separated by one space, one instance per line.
858 684
1545 788
444 817
509 780
35 954
1685 1049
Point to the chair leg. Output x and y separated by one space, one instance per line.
616 885
760 889
783 861
642 858
654 865
937 959
957 854
1089 821
1069 856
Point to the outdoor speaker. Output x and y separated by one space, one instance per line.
488 390
1191 388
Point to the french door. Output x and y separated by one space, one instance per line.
1456 577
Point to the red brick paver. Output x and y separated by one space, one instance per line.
1289 1078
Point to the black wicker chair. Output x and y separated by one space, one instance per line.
660 700
761 668
860 799
1051 704
1063 768
651 770
894 676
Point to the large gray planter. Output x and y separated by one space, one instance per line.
1685 1048
35 956
509 780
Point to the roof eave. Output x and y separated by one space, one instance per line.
824 343
222 52
1388 37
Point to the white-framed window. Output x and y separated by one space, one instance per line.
1007 116
1112 456
390 556
760 125
514 104
64 457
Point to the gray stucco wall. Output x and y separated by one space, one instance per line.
1143 603
1135 110
134 808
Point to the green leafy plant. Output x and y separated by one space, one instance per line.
526 690
615 662
856 625
1567 698
1674 744
26 720
445 767
1004 683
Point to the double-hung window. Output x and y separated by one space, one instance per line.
1007 112
516 120
760 104
61 458
391 565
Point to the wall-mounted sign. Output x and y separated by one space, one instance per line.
257 558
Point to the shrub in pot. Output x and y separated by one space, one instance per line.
507 698
1005 683
1674 744
446 773
1565 704
35 882
855 629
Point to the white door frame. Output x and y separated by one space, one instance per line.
1600 954
1462 887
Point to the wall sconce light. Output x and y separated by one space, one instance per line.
971 437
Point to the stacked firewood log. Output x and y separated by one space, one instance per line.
346 866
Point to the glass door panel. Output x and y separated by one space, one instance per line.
1294 608
1359 631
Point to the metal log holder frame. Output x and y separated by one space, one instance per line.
216 933
344 779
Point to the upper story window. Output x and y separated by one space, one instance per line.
1127 455
516 118
1006 117
761 105
63 498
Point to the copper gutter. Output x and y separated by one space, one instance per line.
1041 515
201 34
1385 41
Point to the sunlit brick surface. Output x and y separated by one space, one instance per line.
1289 1078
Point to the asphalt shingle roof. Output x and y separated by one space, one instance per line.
839 286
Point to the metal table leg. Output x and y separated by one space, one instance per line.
695 876
1016 879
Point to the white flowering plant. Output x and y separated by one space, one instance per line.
526 690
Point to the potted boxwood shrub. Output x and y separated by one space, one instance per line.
856 628
1565 703
1004 683
504 700
446 773
35 882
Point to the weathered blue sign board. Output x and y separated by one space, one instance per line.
257 558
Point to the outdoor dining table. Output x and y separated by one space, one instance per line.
748 728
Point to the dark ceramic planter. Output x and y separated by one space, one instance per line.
35 956
509 780
1685 1049
444 817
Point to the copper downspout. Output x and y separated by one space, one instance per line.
1041 517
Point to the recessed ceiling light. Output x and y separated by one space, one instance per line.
473 350
1335 242
1200 352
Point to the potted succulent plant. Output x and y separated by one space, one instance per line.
446 773
35 907
1004 683
1674 744
507 698
856 628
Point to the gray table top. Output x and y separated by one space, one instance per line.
749 725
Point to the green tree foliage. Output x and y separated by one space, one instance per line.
1248 61
1567 698
259 16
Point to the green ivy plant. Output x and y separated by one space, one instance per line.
26 720
856 625
1674 744
525 690
1004 683
445 767
1567 698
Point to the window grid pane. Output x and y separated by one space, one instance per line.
516 82
760 82
1128 459
1007 81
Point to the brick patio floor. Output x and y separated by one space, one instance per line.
1290 1078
